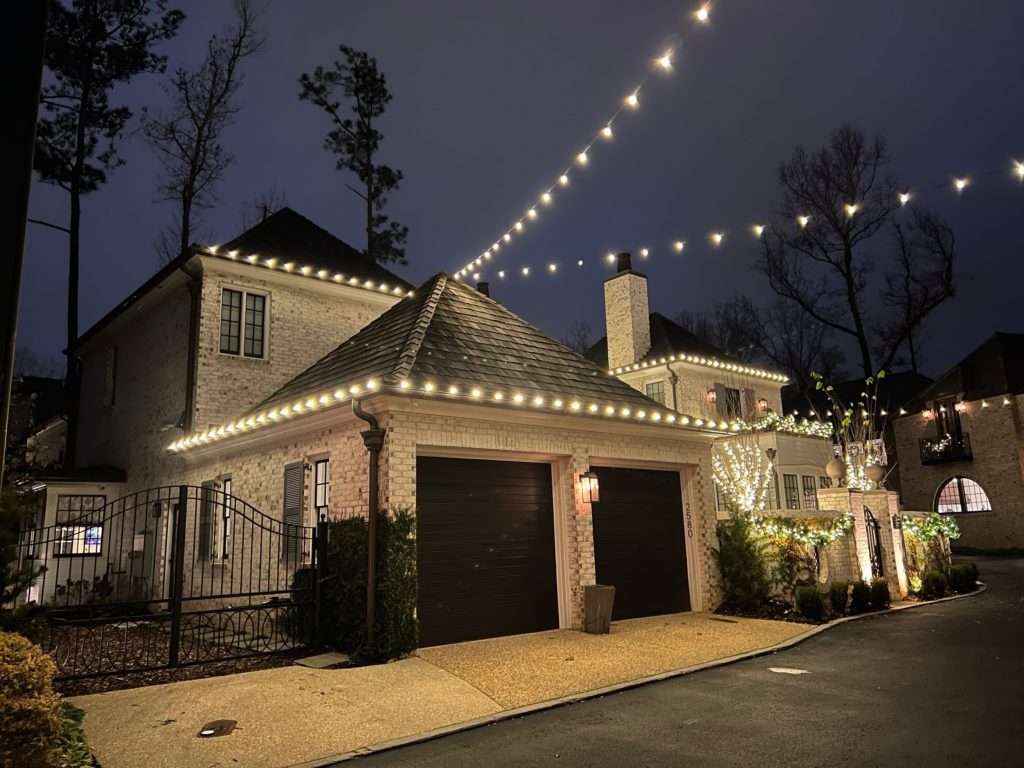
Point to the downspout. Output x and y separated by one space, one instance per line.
373 439
194 291
673 379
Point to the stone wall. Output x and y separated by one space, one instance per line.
997 442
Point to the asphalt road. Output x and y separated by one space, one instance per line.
935 686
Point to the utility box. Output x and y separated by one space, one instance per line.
598 601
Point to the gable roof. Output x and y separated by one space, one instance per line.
289 236
284 236
450 341
669 340
996 367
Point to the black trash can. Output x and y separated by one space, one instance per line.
598 601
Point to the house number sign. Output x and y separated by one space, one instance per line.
689 522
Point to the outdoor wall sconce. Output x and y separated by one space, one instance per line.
762 404
960 407
712 396
589 488
928 414
897 523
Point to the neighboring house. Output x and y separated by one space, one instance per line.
36 402
208 336
44 447
490 424
895 392
961 445
683 371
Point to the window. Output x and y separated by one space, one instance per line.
810 500
222 523
947 419
824 482
656 391
243 319
110 378
79 525
961 494
321 488
720 503
728 401
792 493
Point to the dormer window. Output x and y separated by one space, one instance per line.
243 317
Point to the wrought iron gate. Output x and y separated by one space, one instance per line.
874 535
170 576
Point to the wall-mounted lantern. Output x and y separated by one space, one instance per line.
897 523
961 406
712 396
589 488
928 414
762 404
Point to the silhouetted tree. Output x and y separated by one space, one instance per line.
187 137
819 253
355 140
578 336
90 48
270 199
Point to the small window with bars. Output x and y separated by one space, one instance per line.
810 497
789 485
79 525
243 322
656 391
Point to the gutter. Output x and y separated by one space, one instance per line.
373 439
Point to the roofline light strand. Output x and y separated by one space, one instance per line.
661 63
718 237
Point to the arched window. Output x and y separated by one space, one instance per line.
961 494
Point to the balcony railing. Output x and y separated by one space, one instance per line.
947 448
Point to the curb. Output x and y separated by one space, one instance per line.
575 698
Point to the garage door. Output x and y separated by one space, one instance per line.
485 549
639 542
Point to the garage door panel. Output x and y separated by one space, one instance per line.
485 549
639 541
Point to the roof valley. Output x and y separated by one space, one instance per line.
414 339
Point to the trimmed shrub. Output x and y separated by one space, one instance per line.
962 577
879 597
343 612
839 596
860 597
741 564
808 602
30 712
933 584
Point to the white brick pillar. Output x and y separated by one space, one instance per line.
884 505
849 500
582 565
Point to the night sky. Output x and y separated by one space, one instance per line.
492 100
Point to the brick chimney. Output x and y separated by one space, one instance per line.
627 314
484 287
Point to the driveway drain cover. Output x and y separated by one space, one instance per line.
217 728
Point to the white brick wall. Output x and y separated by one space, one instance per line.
627 318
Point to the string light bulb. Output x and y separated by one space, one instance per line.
851 209
759 229
632 100
645 252
961 184
581 158
546 198
665 62
679 245
717 237
526 271
904 198
1018 168
563 180
519 226
552 267
532 213
702 14
803 221
607 131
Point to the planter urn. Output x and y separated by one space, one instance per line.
875 473
835 469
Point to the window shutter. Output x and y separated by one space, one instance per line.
720 400
205 538
750 404
291 546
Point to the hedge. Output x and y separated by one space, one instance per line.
30 712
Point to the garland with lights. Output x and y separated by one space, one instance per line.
775 422
930 527
718 237
808 531
631 102
743 475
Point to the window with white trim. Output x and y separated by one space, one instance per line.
656 391
79 525
243 322
321 488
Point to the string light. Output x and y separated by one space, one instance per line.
1018 168
904 198
665 62
581 158
803 221
961 184
632 100
607 131
759 229
717 237
709 362
679 245
851 209
702 14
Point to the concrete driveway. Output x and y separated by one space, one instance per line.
293 714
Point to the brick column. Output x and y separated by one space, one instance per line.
581 565
884 505
849 500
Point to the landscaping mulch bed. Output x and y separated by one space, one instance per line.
774 610
121 680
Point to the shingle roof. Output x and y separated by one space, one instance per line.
996 367
453 335
290 236
667 337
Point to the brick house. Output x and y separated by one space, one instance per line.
961 445
660 358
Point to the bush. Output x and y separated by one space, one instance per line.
299 620
860 597
74 750
808 602
879 597
839 596
962 577
30 712
741 564
933 584
343 611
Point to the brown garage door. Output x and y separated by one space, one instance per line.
485 549
639 542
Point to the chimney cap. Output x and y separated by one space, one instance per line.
484 287
624 266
